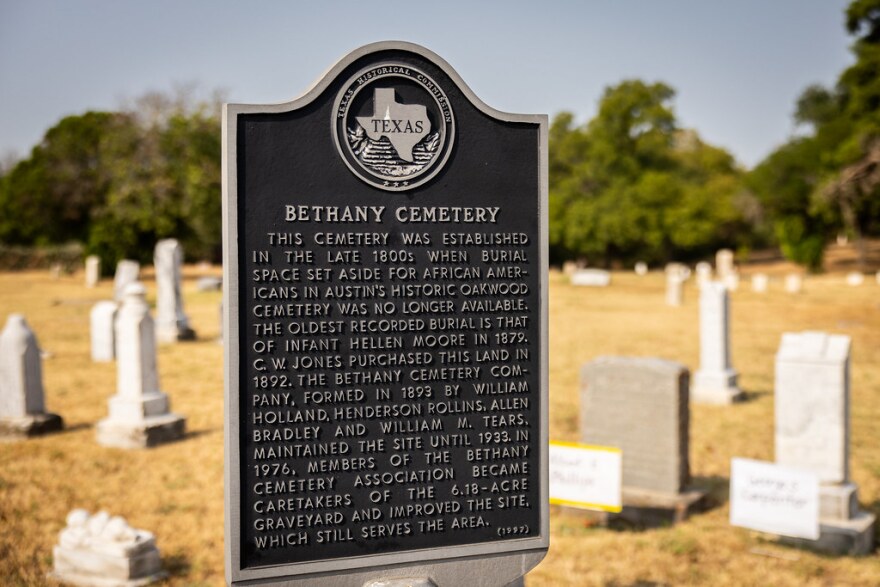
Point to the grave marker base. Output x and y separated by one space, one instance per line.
150 432
30 425
649 509
853 537
717 388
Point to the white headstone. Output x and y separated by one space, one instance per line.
127 272
102 320
22 407
716 380
793 283
855 278
674 288
724 263
679 269
139 412
591 278
812 404
760 282
103 550
172 323
704 272
641 268
93 270
731 280
569 267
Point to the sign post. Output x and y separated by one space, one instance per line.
385 270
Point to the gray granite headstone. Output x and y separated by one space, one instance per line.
102 320
22 408
93 270
172 323
716 380
139 412
812 404
127 272
639 405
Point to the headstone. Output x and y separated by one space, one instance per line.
93 270
139 412
127 272
386 283
794 283
716 380
704 273
812 403
855 278
102 321
724 263
731 281
640 405
22 408
172 323
760 282
591 278
680 269
641 268
570 267
209 284
674 288
99 549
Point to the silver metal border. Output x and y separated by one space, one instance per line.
529 551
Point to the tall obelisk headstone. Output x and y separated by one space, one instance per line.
812 433
22 408
172 323
716 380
139 412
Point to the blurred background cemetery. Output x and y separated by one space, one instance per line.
630 185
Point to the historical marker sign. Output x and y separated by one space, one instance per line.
386 333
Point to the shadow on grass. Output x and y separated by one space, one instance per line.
749 396
176 565
192 434
75 428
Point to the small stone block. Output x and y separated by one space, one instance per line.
30 425
838 502
146 434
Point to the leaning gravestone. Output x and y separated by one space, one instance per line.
812 433
640 405
172 323
22 409
716 380
100 550
93 270
139 412
127 272
102 327
385 286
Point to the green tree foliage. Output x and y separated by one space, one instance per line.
631 185
120 181
828 181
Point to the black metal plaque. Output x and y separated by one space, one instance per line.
386 322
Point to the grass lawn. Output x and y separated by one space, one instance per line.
176 490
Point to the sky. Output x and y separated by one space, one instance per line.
737 66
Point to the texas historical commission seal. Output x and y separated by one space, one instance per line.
393 126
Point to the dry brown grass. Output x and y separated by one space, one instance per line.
176 491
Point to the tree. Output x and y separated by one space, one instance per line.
630 185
